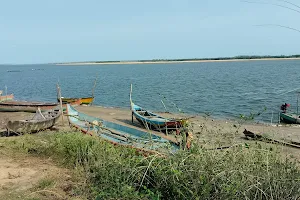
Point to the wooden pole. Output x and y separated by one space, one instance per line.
6 92
93 90
272 118
298 103
60 102
130 94
164 105
131 103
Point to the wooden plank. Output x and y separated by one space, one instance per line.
60 102
263 138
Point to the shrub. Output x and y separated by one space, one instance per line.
243 172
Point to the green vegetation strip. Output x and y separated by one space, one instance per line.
244 172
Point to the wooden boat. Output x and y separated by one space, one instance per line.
25 106
83 100
118 134
74 103
290 118
40 121
87 100
154 121
6 97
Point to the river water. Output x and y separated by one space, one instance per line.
220 89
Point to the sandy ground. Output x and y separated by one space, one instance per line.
20 175
163 62
200 124
209 132
28 177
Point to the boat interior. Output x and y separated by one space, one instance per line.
144 113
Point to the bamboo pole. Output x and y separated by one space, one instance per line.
93 90
272 118
298 103
164 105
60 102
145 123
130 94
131 102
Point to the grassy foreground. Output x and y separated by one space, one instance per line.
253 171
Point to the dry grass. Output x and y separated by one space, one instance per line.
246 171
26 175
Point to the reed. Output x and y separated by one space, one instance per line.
245 171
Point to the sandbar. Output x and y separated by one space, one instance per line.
175 61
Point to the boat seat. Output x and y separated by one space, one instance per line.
152 116
144 113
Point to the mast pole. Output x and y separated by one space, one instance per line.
93 90
60 103
298 102
131 102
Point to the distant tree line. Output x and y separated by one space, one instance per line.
109 61
241 57
224 58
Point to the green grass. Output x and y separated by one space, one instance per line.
45 183
252 171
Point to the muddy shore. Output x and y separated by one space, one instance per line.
209 132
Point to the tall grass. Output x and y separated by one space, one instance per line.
244 172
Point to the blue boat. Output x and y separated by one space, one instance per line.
119 134
154 121
290 117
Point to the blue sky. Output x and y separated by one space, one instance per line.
35 31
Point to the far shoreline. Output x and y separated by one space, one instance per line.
172 61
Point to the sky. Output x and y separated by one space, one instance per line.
36 31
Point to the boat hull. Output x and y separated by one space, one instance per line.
156 125
74 103
87 100
290 118
118 134
24 106
34 125
84 100
7 98
153 121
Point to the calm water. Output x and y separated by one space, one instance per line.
225 89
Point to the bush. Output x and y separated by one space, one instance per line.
251 172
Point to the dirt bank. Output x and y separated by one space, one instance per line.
210 132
